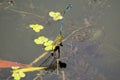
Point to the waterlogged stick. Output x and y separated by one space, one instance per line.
38 58
27 13
63 75
57 66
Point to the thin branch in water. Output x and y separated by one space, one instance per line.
8 78
73 32
63 75
38 58
24 12
57 66
39 75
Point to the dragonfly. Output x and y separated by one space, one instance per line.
57 42
55 53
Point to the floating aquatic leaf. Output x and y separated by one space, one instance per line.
18 75
22 74
37 41
36 27
49 47
43 39
50 42
55 15
40 40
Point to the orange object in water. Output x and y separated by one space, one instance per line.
9 64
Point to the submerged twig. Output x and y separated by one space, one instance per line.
8 78
24 12
73 32
39 76
38 58
57 66
63 75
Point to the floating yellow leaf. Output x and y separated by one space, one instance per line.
49 47
50 42
43 39
37 41
40 40
51 13
18 75
22 74
36 27
55 15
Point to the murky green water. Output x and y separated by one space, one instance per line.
92 52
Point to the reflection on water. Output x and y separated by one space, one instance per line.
91 46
